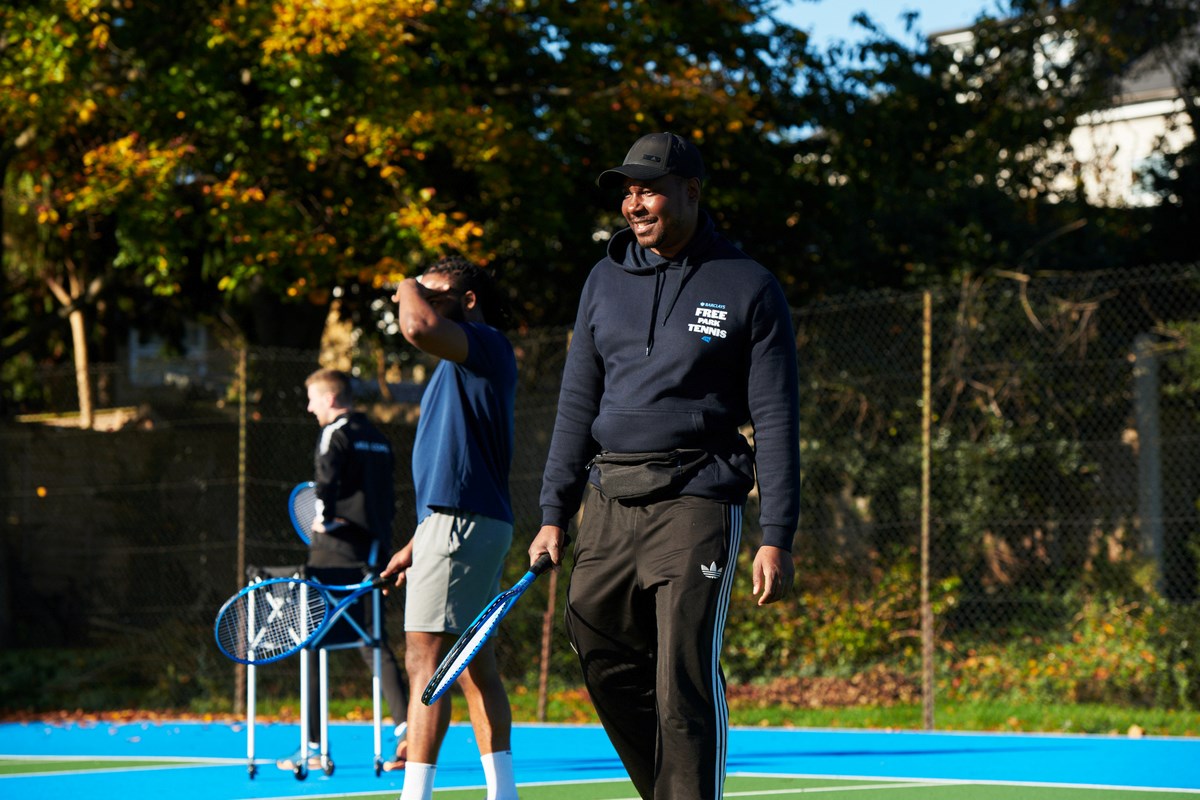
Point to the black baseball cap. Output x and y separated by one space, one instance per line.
653 156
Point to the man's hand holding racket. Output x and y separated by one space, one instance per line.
480 631
398 565
550 540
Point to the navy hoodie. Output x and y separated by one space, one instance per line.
678 353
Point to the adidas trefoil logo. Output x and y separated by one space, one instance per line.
712 571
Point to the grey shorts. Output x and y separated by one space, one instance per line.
457 561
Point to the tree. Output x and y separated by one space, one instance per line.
249 160
929 162
1163 34
56 76
259 156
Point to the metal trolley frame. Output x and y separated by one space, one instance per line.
372 638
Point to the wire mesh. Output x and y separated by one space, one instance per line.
1065 425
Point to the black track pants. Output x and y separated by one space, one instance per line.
646 613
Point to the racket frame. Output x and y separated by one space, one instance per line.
228 617
304 531
479 632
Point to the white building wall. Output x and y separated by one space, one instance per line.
1113 147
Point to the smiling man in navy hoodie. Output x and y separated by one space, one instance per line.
680 339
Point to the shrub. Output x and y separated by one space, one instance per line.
1115 651
834 626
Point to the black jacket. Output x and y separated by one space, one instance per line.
354 483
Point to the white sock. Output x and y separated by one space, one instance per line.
418 781
498 771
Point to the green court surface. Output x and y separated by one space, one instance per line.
739 786
213 761
752 788
33 766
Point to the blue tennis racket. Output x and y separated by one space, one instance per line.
302 508
477 634
275 618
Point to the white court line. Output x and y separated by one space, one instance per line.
894 783
166 759
760 793
1097 787
857 788
99 770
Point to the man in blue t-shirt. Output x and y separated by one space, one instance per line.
461 460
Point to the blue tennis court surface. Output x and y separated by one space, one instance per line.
215 765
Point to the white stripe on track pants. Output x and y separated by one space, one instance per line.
646 613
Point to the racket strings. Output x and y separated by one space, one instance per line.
270 621
304 510
465 649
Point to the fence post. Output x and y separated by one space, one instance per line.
547 636
239 688
927 699
1149 452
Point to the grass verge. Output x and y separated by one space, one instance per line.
573 706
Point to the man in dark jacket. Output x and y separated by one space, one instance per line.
353 473
680 339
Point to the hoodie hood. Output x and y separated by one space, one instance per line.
625 252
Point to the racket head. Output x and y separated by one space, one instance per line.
270 620
302 508
467 647
478 632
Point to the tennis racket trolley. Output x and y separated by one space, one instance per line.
350 631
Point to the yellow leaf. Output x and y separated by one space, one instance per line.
100 37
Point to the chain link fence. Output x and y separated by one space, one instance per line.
1061 508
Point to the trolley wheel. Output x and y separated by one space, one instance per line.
300 771
251 770
378 767
327 766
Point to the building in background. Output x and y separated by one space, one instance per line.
1113 150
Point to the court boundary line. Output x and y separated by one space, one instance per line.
873 783
216 760
98 770
959 732
872 787
380 792
759 793
973 782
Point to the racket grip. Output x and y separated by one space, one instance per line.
543 562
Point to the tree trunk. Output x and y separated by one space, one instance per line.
70 293
82 384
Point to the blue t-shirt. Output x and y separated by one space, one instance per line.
464 445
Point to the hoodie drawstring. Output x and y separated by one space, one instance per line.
683 273
660 281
